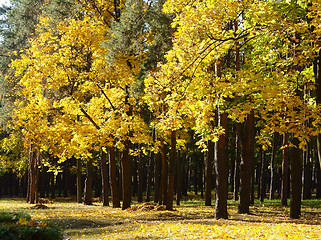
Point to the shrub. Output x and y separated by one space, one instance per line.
20 226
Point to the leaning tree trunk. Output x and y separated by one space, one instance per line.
296 180
209 159
104 177
88 183
221 170
171 172
247 134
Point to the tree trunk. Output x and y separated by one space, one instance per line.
125 161
150 165
318 179
272 170
263 177
317 76
179 180
221 170
113 178
88 183
104 177
140 179
79 188
237 167
163 183
247 135
209 159
32 180
307 174
285 172
157 174
296 180
171 172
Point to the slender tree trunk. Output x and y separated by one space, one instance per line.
157 174
272 170
125 161
307 174
209 159
247 135
113 178
163 183
150 165
263 177
221 169
171 172
79 188
296 180
317 75
104 177
88 183
318 179
285 172
237 167
141 179
179 180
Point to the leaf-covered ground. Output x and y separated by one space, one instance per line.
189 221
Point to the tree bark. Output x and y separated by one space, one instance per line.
237 168
126 196
140 179
263 177
272 170
171 172
179 180
113 178
88 183
79 188
285 172
151 162
247 135
209 159
32 182
157 174
221 169
296 180
104 177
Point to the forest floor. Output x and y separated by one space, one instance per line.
191 220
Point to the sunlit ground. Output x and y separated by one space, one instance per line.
189 221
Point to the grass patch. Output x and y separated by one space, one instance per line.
191 220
